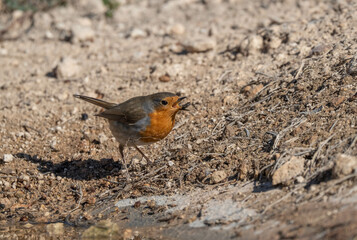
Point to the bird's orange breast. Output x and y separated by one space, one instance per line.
161 124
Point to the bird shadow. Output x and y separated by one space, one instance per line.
87 169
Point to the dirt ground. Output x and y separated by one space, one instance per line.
267 151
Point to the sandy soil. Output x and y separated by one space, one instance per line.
273 87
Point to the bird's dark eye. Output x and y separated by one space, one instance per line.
164 102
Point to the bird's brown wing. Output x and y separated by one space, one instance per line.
128 112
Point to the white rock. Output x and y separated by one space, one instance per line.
67 68
199 45
138 33
82 33
24 178
3 51
8 158
48 35
177 29
102 138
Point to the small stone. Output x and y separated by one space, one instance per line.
24 178
84 116
6 185
67 68
344 165
165 78
251 91
218 176
8 158
27 225
199 45
82 33
177 29
253 43
320 49
138 33
171 163
128 234
300 179
352 66
275 42
3 51
151 203
289 170
312 188
137 204
49 35
102 138
55 229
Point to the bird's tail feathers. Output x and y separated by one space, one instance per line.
96 101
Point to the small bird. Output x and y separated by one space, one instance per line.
140 120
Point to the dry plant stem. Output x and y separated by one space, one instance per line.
318 151
300 69
151 173
349 149
295 123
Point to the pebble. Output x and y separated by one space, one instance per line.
24 178
82 33
49 35
138 33
6 185
289 170
102 138
320 49
8 158
165 78
300 179
3 51
171 163
177 29
344 165
199 45
67 68
218 176
251 91
253 43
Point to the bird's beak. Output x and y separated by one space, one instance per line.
184 106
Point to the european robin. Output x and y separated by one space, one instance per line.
140 120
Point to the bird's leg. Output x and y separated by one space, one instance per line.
147 159
121 150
